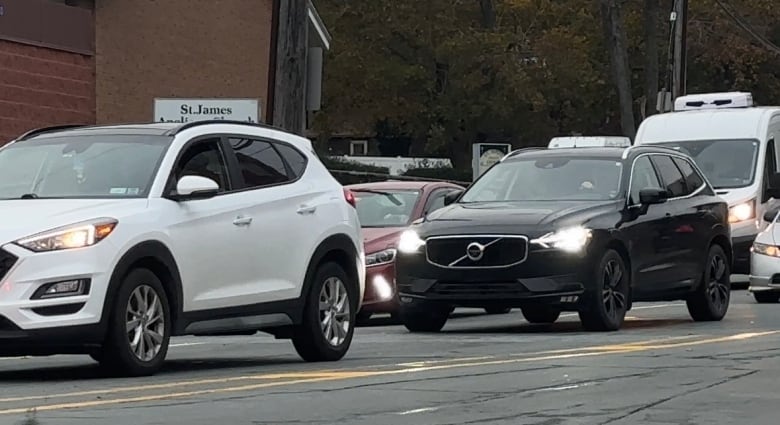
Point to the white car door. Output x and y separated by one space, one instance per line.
285 215
210 237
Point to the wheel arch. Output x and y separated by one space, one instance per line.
340 249
724 242
155 256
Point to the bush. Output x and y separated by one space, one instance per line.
341 168
441 173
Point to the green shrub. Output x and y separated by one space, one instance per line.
441 173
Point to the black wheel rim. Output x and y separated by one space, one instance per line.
717 285
613 293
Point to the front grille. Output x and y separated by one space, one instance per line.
7 260
477 290
497 251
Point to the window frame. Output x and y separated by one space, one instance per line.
170 185
631 177
658 174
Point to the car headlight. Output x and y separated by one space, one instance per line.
572 239
742 212
78 235
381 257
764 249
410 242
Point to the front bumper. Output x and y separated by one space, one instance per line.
52 322
764 273
546 276
381 295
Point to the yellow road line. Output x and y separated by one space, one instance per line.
311 377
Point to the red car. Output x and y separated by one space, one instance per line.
385 209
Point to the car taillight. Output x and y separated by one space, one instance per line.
350 197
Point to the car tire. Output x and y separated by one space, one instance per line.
541 314
325 334
608 297
424 317
766 297
498 310
141 302
710 301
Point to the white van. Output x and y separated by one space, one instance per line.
733 143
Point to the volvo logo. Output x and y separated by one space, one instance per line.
475 251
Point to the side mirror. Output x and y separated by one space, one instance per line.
771 213
452 196
195 187
652 196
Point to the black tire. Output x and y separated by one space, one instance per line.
308 338
608 298
424 317
117 355
498 310
710 301
541 314
766 297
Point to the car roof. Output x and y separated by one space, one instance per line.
595 152
398 185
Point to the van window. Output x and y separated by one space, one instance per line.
728 164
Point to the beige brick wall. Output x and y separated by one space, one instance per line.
179 48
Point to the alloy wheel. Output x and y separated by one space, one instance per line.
613 295
334 311
717 288
145 322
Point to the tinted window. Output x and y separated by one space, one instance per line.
693 180
295 159
643 177
671 176
726 163
105 166
204 159
259 162
548 178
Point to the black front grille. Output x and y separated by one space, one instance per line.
7 260
498 251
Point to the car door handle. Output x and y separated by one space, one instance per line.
242 221
305 209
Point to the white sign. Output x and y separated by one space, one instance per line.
188 110
484 155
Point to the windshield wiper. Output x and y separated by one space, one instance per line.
389 195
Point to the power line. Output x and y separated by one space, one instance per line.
729 10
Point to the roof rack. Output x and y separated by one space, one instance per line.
178 129
521 150
38 131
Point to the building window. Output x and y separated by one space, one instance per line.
358 148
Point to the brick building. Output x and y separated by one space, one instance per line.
107 61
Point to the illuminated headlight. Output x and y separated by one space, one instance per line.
742 212
68 237
572 239
410 242
764 249
383 289
379 258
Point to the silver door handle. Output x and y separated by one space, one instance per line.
306 209
242 221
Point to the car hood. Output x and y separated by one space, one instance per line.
26 217
379 238
529 218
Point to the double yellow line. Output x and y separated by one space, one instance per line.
250 382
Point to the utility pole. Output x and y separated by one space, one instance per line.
680 72
291 56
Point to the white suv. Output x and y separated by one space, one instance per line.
115 238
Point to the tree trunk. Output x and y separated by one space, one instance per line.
621 72
651 19
488 9
289 108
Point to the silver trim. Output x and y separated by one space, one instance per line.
705 183
498 238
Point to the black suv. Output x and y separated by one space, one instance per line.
585 229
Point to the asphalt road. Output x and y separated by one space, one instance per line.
662 368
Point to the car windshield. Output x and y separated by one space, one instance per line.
81 167
550 178
727 164
385 208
